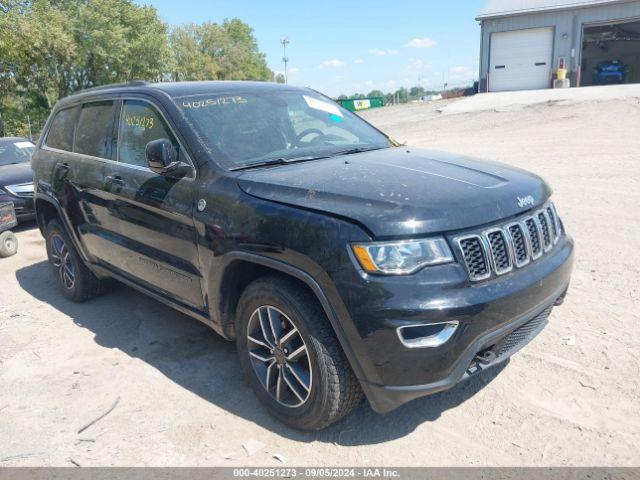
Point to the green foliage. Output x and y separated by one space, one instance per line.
217 52
52 48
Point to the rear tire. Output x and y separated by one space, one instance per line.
77 282
326 387
8 244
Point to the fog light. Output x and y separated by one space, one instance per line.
430 335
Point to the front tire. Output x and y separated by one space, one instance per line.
290 356
77 282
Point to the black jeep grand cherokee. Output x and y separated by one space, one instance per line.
339 261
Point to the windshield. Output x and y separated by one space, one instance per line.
15 152
250 128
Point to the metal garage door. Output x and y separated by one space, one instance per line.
521 59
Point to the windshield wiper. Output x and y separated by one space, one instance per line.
351 151
275 161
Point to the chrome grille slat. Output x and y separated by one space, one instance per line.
498 250
545 229
521 248
475 256
554 224
533 232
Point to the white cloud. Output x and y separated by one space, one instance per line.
460 70
370 83
333 63
421 43
358 61
417 65
294 71
381 53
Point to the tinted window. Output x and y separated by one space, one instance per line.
140 123
95 132
61 132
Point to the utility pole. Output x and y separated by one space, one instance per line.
285 41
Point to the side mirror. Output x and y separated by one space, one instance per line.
162 159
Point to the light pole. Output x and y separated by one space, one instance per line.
285 41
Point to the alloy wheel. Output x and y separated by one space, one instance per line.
61 259
279 356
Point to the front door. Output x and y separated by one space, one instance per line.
154 213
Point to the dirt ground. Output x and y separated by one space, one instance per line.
570 398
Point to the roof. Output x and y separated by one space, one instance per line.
180 89
504 8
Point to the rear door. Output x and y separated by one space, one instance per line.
154 214
521 59
80 143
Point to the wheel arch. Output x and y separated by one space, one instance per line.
48 208
243 268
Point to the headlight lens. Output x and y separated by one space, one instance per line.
402 257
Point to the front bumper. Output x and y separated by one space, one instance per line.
23 206
486 312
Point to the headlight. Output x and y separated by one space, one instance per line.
402 257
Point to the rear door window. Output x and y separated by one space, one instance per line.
60 134
95 134
140 123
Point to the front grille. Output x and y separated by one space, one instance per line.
522 335
554 223
520 251
534 237
546 232
499 249
475 257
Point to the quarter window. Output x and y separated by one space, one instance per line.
95 131
60 134
140 123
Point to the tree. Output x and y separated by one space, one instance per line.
376 93
402 94
217 52
52 48
416 92
279 78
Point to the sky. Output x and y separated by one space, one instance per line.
353 46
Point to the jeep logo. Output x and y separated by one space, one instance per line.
526 201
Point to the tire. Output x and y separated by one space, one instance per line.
8 244
327 388
77 282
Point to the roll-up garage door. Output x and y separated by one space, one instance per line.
521 59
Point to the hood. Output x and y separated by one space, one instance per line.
16 174
400 191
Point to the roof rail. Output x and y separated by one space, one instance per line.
132 83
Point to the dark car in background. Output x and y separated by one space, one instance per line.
340 262
16 175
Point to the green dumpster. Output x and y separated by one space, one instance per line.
355 104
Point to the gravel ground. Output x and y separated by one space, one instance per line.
570 398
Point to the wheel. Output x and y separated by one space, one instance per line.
291 357
78 283
8 244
